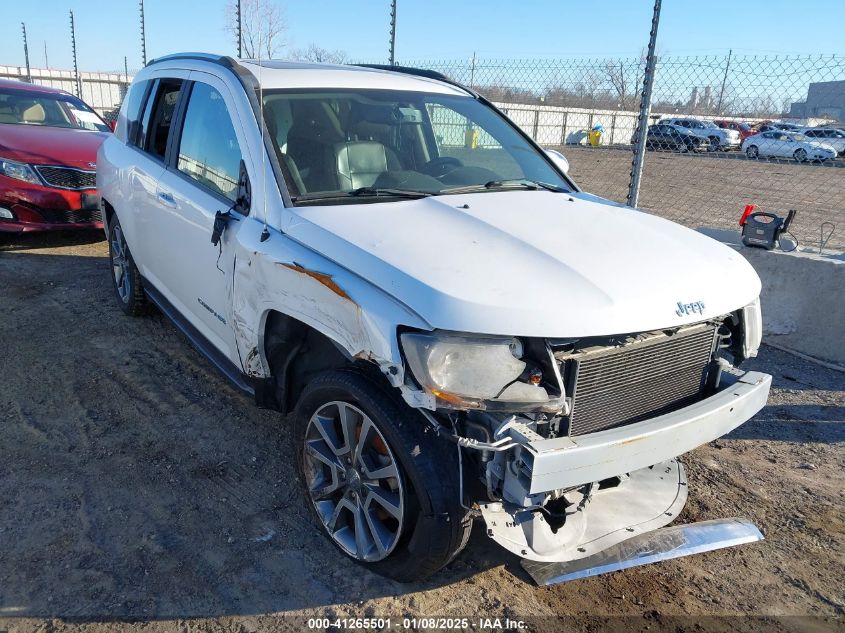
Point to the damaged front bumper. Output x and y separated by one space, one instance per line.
563 462
637 486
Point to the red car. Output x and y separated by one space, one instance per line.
744 129
48 153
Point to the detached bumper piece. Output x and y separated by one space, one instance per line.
659 545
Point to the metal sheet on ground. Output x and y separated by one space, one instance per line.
663 544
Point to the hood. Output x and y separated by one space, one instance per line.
531 263
43 145
706 133
821 145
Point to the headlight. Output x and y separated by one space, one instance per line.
752 328
467 369
19 171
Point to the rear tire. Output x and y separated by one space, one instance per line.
408 522
126 279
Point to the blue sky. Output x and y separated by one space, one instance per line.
428 29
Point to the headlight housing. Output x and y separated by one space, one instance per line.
475 371
752 328
18 171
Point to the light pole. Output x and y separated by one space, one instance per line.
238 28
26 54
73 48
392 32
645 109
143 34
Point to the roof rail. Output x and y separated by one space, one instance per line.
205 57
419 72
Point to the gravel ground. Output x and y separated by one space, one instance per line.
139 489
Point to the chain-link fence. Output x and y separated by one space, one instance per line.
725 131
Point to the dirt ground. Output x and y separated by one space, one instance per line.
139 489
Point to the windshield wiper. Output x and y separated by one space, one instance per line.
515 183
364 192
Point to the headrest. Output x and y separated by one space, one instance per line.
359 163
34 114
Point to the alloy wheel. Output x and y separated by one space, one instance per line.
800 155
354 481
120 265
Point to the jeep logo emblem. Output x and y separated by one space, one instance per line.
685 309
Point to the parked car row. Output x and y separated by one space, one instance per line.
767 140
719 139
790 140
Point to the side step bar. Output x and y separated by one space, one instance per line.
651 547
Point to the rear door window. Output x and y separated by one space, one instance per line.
158 117
134 109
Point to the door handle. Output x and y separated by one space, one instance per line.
167 199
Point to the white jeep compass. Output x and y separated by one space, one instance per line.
457 331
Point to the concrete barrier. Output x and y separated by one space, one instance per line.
803 298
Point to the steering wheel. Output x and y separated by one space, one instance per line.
439 167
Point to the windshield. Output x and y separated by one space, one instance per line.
339 144
26 107
697 124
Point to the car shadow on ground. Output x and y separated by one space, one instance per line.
49 239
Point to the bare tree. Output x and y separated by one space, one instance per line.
263 23
619 80
314 53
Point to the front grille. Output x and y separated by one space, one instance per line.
68 177
656 374
73 216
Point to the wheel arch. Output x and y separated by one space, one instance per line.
108 213
294 352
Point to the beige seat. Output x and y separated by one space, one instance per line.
34 114
360 163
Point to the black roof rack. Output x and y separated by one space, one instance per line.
419 72
205 57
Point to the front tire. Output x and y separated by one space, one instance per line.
800 155
752 152
126 279
380 484
715 144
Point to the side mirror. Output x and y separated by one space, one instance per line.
558 159
243 201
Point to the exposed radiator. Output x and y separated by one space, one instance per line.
655 374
